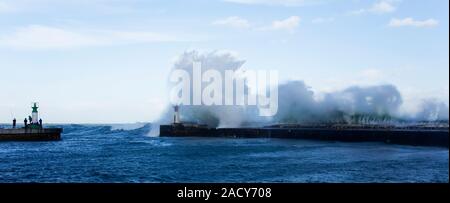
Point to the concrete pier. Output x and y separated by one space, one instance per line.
417 137
45 134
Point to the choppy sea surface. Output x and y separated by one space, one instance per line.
122 153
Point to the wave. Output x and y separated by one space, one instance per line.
299 104
91 129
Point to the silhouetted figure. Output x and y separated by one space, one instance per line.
30 119
14 123
40 122
26 122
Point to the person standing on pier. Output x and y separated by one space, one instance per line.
40 122
14 123
25 122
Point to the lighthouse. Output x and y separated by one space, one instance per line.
34 114
176 116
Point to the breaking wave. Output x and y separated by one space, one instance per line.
299 104
92 129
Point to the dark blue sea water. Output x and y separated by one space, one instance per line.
99 153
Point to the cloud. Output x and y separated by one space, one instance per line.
322 20
102 6
5 8
288 3
380 7
233 21
288 24
46 37
413 23
37 36
357 12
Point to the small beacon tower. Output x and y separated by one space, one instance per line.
34 114
176 116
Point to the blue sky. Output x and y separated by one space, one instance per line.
107 61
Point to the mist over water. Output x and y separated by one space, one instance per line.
378 104
298 105
218 116
432 110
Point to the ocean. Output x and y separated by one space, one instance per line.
126 154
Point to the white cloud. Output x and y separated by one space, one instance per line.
383 7
102 6
322 20
380 7
36 36
286 3
233 21
4 7
45 37
413 23
288 24
357 12
272 2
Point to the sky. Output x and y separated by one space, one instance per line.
107 61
